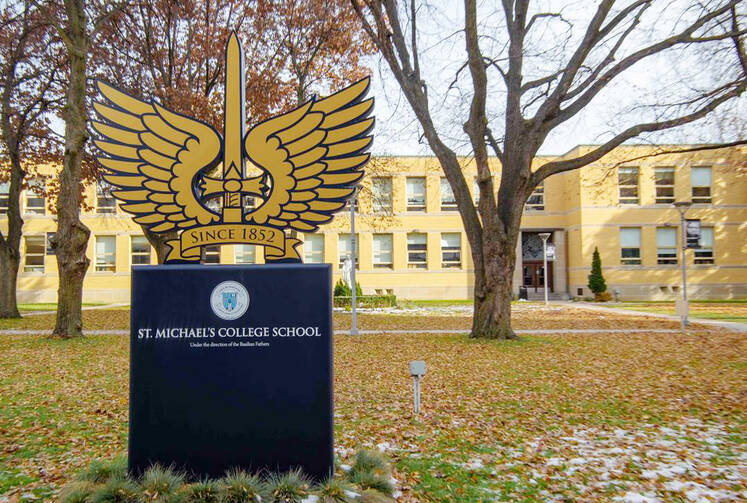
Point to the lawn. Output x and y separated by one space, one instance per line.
735 310
580 417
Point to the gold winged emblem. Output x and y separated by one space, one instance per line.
160 164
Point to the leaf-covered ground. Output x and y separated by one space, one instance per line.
588 417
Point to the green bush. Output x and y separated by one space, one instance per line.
596 279
117 491
332 491
371 470
77 492
367 301
206 491
100 471
161 484
343 290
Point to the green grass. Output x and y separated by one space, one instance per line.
48 306
698 309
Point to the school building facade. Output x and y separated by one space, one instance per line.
411 241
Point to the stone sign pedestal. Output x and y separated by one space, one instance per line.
231 367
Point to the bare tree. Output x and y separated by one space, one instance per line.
76 22
29 66
614 39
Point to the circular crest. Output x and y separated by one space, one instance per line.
229 300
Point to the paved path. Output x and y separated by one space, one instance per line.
731 325
454 331
85 308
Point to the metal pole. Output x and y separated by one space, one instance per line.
416 394
544 236
683 317
353 248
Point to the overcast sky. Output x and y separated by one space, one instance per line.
663 79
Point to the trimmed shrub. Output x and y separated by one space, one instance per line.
289 487
343 290
240 487
596 279
367 301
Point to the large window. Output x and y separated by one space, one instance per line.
106 254
664 181
417 246
344 249
244 254
448 201
451 249
700 179
139 250
34 197
666 245
704 254
630 245
476 191
415 187
105 202
536 200
381 188
212 254
382 251
4 197
627 181
34 253
313 248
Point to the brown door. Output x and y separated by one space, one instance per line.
534 275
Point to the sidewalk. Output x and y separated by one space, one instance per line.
729 325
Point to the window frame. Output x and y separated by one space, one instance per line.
668 187
634 260
98 266
538 192
134 254
30 195
621 187
375 257
705 255
417 264
451 264
306 251
340 258
701 199
34 268
416 207
376 198
212 251
666 255
444 190
4 197
239 250
111 206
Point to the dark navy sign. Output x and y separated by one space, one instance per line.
231 366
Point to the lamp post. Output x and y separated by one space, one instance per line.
353 248
544 236
682 207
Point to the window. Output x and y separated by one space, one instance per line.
476 192
627 181
704 254
382 251
106 253
666 245
105 202
250 203
244 254
34 259
212 254
448 201
664 181
313 248
451 249
381 188
4 197
630 246
700 179
344 249
34 201
139 250
213 204
415 193
417 247
536 200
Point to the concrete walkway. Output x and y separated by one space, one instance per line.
730 325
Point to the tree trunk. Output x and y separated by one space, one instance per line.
493 288
9 262
158 242
10 253
71 239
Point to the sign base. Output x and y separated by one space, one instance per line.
231 367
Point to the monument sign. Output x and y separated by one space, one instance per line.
231 366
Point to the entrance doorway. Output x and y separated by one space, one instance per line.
534 275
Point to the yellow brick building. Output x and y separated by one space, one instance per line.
411 241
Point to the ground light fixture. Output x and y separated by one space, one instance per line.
682 207
417 370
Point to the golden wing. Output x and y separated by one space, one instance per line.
152 156
313 155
